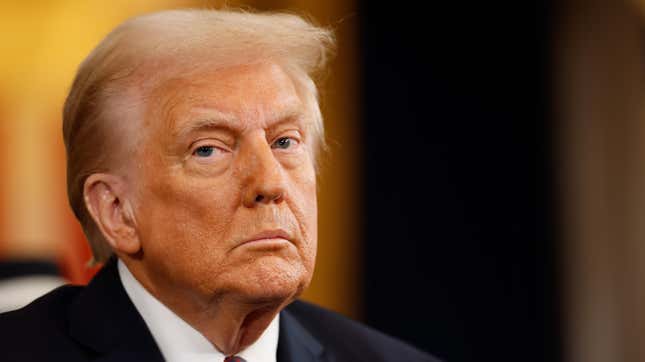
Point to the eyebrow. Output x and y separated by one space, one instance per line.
214 119
286 116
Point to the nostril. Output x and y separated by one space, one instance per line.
259 198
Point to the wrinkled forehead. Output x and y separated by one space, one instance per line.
241 94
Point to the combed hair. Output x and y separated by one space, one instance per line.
141 51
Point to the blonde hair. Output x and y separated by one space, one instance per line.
138 52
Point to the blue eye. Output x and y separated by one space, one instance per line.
204 151
284 143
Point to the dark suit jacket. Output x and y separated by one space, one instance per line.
100 323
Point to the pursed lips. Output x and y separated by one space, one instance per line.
268 235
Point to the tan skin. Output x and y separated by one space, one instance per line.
221 156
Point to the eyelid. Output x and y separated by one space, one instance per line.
294 134
211 142
294 146
219 151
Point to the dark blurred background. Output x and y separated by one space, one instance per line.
459 206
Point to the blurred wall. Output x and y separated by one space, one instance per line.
600 91
42 43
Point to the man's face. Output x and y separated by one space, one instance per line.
225 187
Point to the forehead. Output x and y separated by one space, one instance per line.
245 95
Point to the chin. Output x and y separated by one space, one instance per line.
277 281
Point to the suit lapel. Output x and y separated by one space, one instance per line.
103 319
295 343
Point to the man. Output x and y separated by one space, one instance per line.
191 142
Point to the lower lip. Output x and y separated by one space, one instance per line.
269 243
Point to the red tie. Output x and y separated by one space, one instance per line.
234 359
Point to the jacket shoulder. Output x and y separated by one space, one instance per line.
48 307
346 338
38 327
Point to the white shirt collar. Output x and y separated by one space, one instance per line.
179 341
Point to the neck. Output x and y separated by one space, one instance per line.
230 322
233 326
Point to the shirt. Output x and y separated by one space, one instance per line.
178 340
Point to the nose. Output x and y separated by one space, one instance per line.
262 174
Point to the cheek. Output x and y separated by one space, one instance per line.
303 203
186 223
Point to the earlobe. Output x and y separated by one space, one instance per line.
106 201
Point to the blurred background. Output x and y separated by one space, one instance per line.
484 194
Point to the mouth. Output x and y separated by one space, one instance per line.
268 238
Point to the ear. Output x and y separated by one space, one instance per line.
106 201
